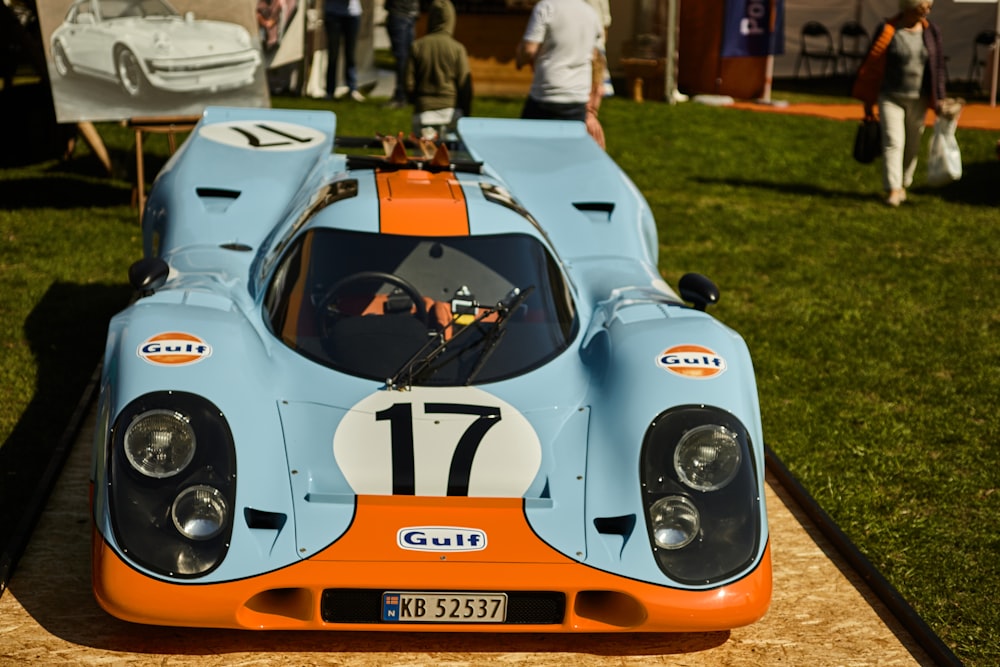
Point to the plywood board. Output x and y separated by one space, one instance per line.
821 615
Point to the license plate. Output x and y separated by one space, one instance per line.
421 607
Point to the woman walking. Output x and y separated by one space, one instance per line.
903 75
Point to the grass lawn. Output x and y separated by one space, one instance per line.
875 331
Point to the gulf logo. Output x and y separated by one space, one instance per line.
692 361
174 348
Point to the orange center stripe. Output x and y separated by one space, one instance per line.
415 202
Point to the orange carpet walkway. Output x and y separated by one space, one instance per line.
974 116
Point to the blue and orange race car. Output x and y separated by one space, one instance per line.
423 390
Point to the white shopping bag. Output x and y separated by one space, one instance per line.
944 159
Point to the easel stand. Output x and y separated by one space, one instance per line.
168 125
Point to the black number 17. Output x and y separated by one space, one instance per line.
257 141
400 418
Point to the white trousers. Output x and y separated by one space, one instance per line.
902 126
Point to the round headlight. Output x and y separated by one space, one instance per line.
707 457
159 443
675 522
190 560
161 42
200 512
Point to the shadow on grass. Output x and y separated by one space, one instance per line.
32 135
36 138
978 187
66 332
802 189
60 192
75 178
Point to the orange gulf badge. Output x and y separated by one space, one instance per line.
692 361
174 348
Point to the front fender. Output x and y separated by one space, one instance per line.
653 357
152 352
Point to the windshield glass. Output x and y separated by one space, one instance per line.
427 311
116 9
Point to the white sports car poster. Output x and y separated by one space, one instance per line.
119 59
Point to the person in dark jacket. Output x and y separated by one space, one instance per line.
903 75
438 79
401 26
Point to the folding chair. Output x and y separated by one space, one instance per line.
852 47
981 46
816 44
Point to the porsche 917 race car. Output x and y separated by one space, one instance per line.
422 389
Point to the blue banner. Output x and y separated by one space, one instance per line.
753 28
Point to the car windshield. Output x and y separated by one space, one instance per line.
423 311
114 9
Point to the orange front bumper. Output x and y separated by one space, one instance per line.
367 557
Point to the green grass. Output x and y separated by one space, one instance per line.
875 331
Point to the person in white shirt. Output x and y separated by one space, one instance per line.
564 44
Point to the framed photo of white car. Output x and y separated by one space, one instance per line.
119 59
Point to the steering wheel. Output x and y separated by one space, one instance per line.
328 303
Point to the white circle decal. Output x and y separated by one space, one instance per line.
263 135
437 441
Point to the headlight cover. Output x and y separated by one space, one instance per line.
674 522
159 443
172 483
200 512
707 457
700 491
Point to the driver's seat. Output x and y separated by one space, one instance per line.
439 315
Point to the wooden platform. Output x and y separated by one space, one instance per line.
822 615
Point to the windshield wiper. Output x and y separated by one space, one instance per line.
504 309
437 344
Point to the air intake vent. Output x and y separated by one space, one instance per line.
597 211
262 520
217 200
615 525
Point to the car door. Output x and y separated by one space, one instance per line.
92 39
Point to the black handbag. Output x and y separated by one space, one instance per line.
868 141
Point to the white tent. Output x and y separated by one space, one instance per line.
959 20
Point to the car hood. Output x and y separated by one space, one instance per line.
185 38
425 441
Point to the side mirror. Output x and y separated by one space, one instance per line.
148 275
698 290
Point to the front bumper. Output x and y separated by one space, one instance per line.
365 563
193 75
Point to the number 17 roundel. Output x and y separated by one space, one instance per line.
447 441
